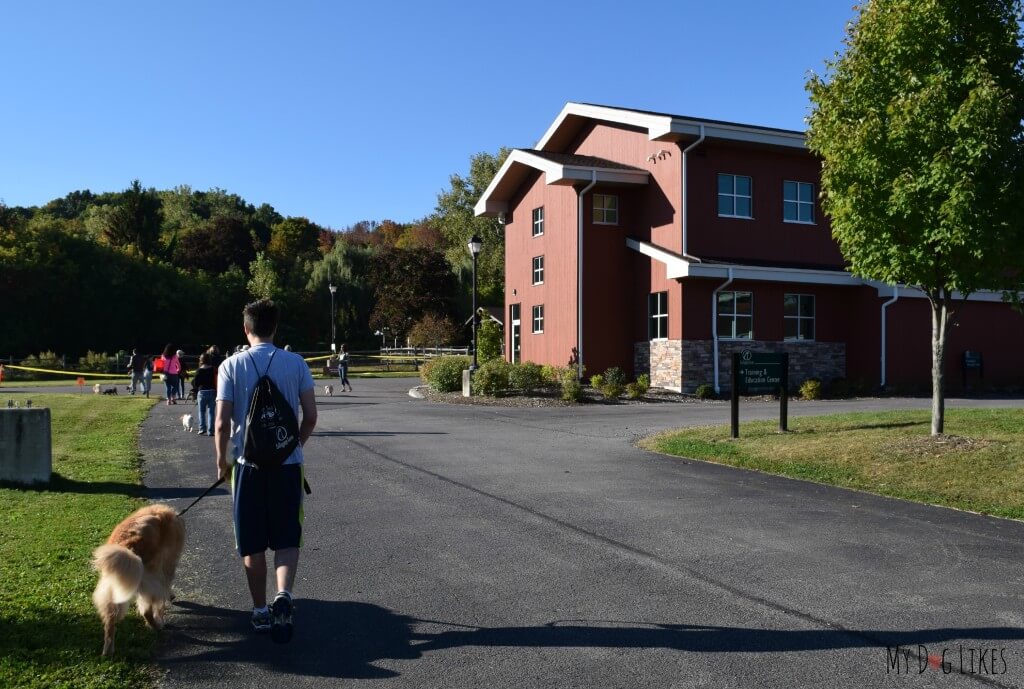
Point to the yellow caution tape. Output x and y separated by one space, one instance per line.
318 358
65 373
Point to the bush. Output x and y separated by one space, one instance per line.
643 382
491 378
596 381
425 369
489 340
94 361
526 376
444 373
572 391
810 389
615 376
611 384
635 391
550 374
705 391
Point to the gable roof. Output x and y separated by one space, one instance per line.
660 127
558 168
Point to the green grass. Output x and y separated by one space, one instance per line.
50 636
980 468
89 382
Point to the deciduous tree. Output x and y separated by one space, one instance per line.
919 126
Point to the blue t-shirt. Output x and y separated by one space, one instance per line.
237 378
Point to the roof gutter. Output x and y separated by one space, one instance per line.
714 327
579 273
685 209
886 305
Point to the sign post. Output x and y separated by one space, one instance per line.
80 382
760 374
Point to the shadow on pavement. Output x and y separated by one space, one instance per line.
344 638
385 434
181 492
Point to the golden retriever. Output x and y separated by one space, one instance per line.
138 561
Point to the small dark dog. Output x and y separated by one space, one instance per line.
110 391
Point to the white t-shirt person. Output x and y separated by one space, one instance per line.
237 378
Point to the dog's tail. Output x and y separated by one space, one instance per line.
120 574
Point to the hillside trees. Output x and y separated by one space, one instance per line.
920 126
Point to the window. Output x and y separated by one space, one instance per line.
538 270
736 315
538 221
538 319
799 315
606 209
798 202
657 316
735 199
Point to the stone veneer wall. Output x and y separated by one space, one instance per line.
662 360
823 360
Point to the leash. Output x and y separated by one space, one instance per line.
205 493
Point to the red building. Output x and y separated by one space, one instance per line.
662 244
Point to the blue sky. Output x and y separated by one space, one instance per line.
343 111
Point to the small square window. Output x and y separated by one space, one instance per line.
538 270
735 196
736 315
538 319
798 202
606 209
538 221
798 311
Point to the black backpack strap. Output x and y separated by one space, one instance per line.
268 363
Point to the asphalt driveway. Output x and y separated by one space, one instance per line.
456 546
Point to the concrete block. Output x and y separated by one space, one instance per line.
467 378
26 453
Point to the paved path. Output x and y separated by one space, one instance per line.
454 546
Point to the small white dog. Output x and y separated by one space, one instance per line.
186 422
329 390
96 389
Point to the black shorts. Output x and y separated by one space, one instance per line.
267 507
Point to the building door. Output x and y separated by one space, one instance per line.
514 336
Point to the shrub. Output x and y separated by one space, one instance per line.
94 361
425 369
635 391
643 382
491 378
572 391
526 376
550 374
810 389
611 384
705 391
596 381
615 376
445 373
488 341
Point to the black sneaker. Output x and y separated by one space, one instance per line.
261 620
281 612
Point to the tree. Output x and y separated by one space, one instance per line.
489 339
215 245
919 127
457 222
264 283
407 284
292 238
433 330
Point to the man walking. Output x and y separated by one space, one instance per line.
267 501
137 368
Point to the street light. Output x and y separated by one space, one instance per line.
475 244
381 333
333 288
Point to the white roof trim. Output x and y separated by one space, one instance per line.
677 267
554 173
662 126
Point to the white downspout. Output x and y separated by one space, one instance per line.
684 209
714 326
579 274
886 305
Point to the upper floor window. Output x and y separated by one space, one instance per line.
606 209
799 315
538 319
538 270
735 196
736 315
798 202
538 221
657 316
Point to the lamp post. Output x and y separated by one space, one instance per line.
475 244
381 333
334 340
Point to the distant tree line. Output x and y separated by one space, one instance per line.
143 267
